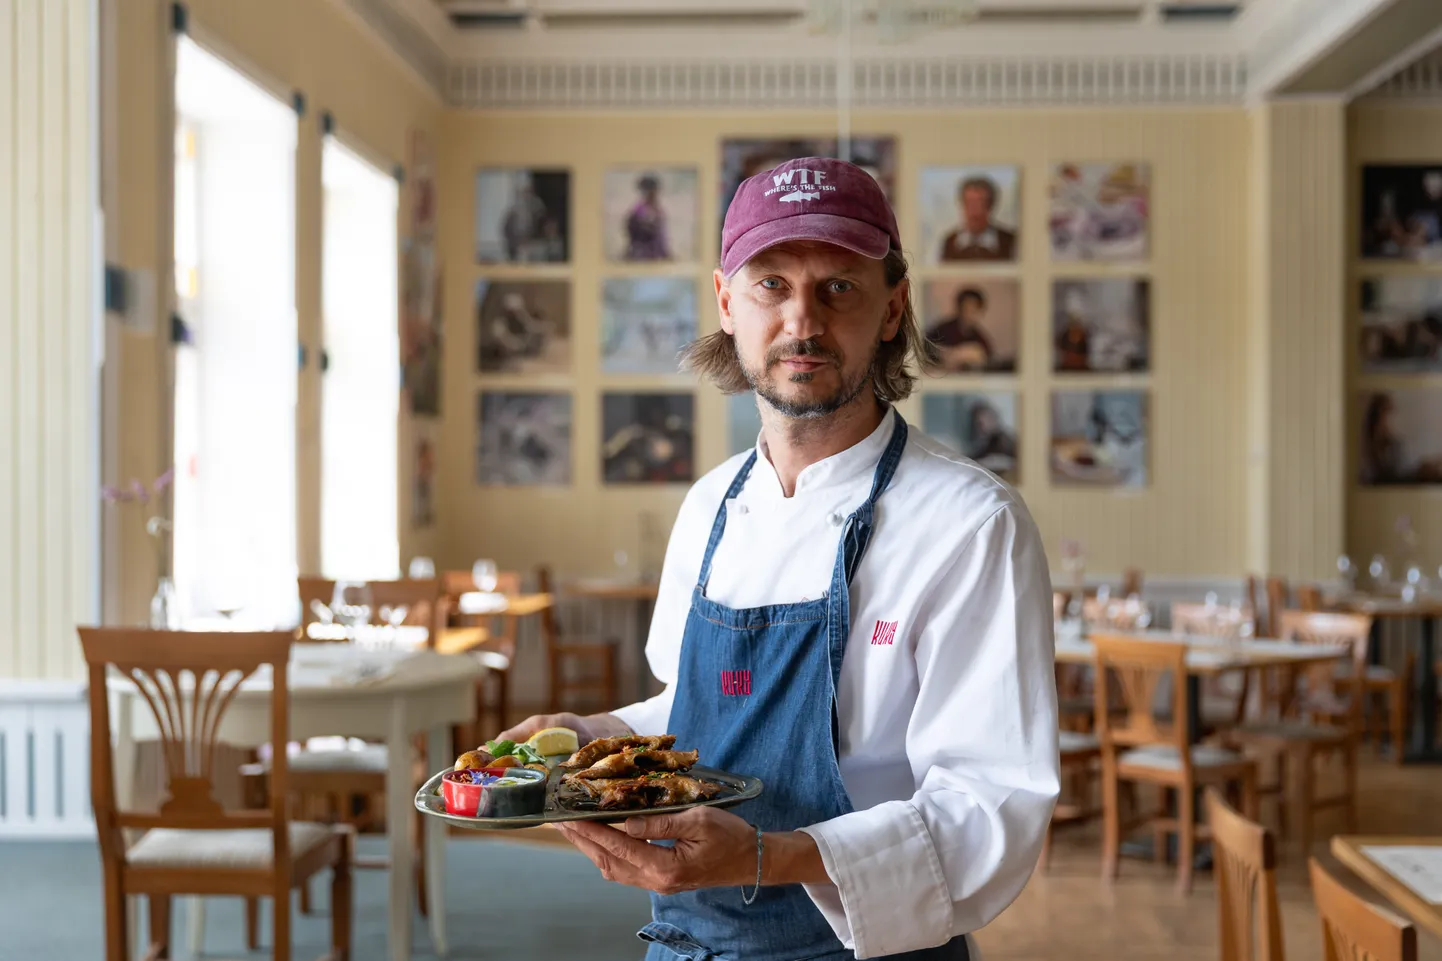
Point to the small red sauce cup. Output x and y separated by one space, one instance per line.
494 800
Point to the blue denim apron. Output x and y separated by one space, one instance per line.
756 694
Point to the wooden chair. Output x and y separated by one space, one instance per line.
1244 857
1309 598
1277 602
1296 740
1079 753
192 846
422 600
1353 928
1132 582
1114 613
1221 708
499 652
597 659
1139 747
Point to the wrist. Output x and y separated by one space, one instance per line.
605 725
791 857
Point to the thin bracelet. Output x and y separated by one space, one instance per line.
748 898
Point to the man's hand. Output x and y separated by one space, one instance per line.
713 848
587 728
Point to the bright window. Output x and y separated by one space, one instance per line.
235 390
360 399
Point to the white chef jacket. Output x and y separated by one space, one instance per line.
948 740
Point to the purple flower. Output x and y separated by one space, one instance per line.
138 489
112 494
163 481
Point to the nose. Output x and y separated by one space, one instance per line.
803 316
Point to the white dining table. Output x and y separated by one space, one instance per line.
383 694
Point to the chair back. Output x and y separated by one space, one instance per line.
1214 621
1132 581
1130 673
188 679
1319 682
1059 600
1354 929
1245 855
1277 602
1309 598
456 583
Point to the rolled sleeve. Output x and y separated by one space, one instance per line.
982 745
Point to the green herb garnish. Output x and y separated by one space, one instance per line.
525 752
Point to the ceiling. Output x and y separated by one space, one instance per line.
557 52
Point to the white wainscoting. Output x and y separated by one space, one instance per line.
44 761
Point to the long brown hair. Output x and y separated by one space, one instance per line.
713 357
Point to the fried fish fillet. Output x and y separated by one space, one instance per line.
651 790
593 751
633 761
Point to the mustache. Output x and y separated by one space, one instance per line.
800 348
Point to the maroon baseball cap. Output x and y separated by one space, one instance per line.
811 198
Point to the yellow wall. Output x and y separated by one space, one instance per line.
1191 521
285 45
1393 133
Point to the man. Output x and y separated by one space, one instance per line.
888 602
959 339
978 238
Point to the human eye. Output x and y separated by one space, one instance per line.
839 287
770 283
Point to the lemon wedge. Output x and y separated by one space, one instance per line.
551 741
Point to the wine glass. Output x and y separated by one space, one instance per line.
421 569
1379 570
1348 570
351 603
485 574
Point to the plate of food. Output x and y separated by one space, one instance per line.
504 785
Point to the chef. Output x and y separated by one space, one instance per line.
849 611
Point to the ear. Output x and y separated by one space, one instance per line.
723 302
895 307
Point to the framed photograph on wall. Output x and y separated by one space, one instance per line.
1100 211
1401 328
421 328
1401 440
523 216
743 422
523 326
645 321
423 481
1099 438
523 439
649 214
743 157
981 426
970 214
973 322
1101 326
1401 216
648 438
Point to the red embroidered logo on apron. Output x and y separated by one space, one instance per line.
885 633
736 683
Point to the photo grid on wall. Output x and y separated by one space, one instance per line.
972 240
1399 418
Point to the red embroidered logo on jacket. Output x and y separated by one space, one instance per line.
736 683
885 633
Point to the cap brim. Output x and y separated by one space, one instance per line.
855 235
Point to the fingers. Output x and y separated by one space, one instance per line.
537 722
617 844
654 827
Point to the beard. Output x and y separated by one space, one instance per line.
764 383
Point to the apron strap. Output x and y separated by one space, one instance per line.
718 526
855 538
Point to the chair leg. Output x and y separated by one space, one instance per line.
418 844
1397 698
1044 861
1349 785
280 923
305 897
340 905
1186 836
1302 802
1111 826
159 925
1160 834
1251 803
117 927
252 924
